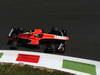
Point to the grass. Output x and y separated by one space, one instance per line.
20 69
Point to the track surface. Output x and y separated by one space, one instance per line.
80 17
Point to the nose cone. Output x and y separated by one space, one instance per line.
66 38
61 37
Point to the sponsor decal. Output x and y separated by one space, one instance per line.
79 66
1 54
28 58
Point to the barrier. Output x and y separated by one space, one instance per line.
73 65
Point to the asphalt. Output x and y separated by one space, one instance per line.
80 17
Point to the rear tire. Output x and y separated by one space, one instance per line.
14 45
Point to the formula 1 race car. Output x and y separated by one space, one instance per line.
54 41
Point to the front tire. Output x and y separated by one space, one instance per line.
51 48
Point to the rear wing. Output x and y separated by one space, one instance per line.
10 33
14 32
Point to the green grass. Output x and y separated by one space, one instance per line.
15 69
1 55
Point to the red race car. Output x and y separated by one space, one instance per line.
54 41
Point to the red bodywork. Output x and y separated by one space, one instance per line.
35 40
